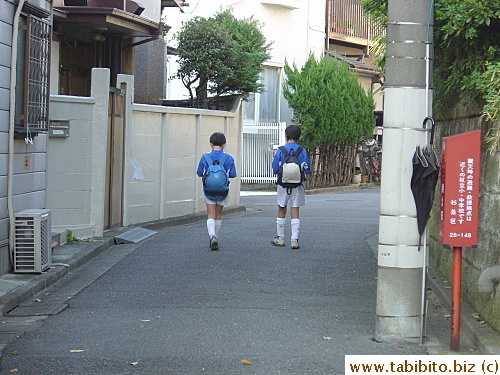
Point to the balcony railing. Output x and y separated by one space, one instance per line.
346 17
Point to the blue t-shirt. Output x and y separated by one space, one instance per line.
291 147
216 155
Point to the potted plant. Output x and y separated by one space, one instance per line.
356 178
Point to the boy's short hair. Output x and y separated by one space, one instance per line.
218 139
293 132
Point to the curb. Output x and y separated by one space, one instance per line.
39 282
482 336
186 219
340 189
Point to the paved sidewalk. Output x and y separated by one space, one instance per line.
16 288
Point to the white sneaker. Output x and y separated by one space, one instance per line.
278 241
294 244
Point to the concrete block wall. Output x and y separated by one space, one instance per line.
165 146
162 148
69 166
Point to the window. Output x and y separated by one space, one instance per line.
33 66
264 107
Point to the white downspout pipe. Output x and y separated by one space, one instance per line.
488 278
12 112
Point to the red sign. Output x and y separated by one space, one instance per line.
459 206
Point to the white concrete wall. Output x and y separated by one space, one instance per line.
152 9
162 148
69 166
162 154
294 32
76 165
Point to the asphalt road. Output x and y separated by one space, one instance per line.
169 305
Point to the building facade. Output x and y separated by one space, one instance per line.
50 48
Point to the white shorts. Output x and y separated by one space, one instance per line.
220 203
296 199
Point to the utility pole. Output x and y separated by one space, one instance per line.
408 101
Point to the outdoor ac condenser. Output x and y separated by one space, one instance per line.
32 241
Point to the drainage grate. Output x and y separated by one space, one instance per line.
133 236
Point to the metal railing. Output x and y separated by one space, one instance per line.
260 141
346 17
37 67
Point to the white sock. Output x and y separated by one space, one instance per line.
295 229
211 227
218 224
280 227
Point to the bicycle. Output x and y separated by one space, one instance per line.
372 155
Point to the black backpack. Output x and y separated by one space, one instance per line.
291 174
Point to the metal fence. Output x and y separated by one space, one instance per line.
260 141
348 18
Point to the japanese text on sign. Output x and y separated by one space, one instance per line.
460 190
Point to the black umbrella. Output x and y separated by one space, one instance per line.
424 180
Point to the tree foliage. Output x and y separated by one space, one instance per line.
334 113
329 103
466 38
220 55
466 50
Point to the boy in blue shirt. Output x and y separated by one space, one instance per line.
294 197
214 208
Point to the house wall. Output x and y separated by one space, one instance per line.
487 253
54 67
366 82
151 72
28 183
152 9
294 32
6 16
295 28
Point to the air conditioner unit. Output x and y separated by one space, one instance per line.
32 241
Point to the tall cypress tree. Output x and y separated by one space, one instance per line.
334 113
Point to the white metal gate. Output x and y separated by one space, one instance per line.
260 140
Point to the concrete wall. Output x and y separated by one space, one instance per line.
69 166
162 148
487 254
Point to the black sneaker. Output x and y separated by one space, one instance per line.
214 243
